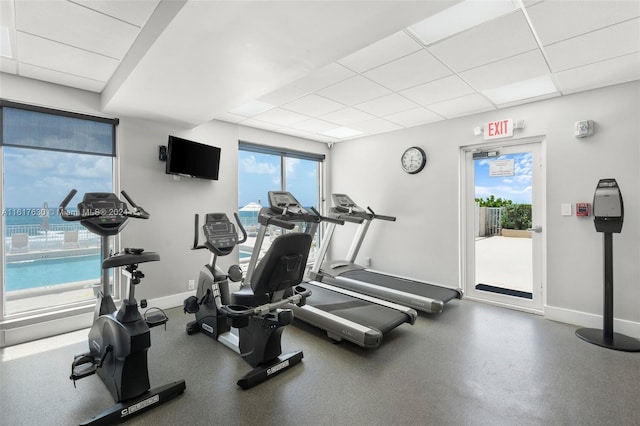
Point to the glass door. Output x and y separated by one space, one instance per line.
503 201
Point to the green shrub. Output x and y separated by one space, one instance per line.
491 201
516 216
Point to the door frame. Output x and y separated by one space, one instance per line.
467 230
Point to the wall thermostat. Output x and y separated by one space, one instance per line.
584 128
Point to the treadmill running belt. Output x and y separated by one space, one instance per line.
356 310
408 286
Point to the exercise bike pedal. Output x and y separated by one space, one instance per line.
82 366
156 318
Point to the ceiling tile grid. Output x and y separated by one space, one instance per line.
529 50
78 44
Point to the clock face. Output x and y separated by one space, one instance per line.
413 160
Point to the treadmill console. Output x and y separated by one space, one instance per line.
220 233
284 203
342 203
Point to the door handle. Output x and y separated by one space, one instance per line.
536 228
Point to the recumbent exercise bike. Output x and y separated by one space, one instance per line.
250 321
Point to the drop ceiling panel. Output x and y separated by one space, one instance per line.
413 117
385 105
313 105
283 95
354 90
377 125
76 26
494 40
60 57
281 117
134 12
411 70
439 90
323 77
607 43
9 66
251 122
559 20
346 116
386 50
464 105
605 73
500 73
313 125
61 78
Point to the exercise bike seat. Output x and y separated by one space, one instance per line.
281 268
130 257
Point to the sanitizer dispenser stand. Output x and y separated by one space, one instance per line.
608 213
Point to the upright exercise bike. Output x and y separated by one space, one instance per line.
251 320
119 338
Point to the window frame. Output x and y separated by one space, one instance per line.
285 153
49 320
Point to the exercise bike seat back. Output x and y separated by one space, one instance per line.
281 268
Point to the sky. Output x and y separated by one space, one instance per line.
33 176
516 188
260 173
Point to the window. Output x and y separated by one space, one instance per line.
262 169
49 263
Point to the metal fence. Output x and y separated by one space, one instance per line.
488 221
24 238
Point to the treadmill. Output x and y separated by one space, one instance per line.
344 314
346 274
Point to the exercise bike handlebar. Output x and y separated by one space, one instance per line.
238 311
244 232
68 217
137 212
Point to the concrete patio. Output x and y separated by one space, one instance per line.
504 262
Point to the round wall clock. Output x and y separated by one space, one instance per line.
413 160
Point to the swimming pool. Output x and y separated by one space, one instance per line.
45 272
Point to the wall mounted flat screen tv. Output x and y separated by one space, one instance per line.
189 158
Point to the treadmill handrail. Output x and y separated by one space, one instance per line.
380 216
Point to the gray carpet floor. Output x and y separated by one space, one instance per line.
473 364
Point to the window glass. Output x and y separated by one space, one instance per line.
49 263
261 170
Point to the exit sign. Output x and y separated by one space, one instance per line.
498 129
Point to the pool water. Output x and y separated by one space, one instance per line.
46 272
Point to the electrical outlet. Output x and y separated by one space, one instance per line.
192 284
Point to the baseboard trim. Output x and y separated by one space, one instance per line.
585 319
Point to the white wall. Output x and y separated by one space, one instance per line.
173 203
424 242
